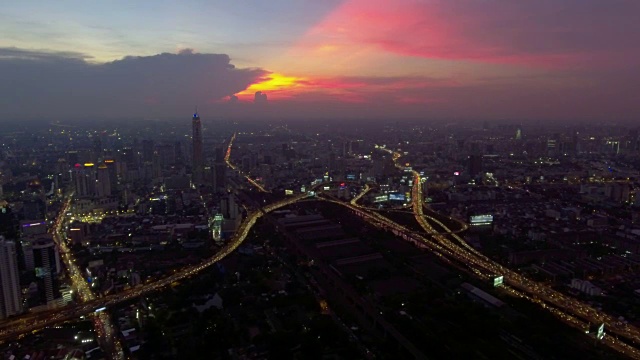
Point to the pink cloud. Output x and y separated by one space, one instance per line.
582 96
545 33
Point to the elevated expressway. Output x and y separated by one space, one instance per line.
32 322
625 338
448 246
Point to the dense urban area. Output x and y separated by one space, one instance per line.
214 239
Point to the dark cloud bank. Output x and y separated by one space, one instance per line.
36 84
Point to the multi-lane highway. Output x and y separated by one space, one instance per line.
447 245
576 313
16 326
34 321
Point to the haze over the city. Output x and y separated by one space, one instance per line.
328 179
573 60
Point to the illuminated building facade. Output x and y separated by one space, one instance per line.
198 154
84 180
215 225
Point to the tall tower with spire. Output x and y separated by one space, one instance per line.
198 156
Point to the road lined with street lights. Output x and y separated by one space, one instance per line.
455 252
16 326
227 159
102 321
570 310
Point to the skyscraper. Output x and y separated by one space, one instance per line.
147 150
198 156
229 208
10 298
179 152
34 201
103 185
42 257
219 176
474 164
113 173
84 179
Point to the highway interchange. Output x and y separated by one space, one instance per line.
570 310
447 245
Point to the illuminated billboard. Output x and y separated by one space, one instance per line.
381 198
288 192
397 197
351 176
481 220
34 224
498 281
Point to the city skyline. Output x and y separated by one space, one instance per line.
506 238
335 179
497 60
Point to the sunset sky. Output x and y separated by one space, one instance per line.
468 59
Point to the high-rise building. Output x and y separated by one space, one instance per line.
103 184
198 155
167 154
229 208
218 170
10 297
73 157
34 201
84 180
128 156
113 173
219 176
474 164
147 150
41 256
62 170
98 148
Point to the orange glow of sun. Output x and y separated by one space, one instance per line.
272 84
